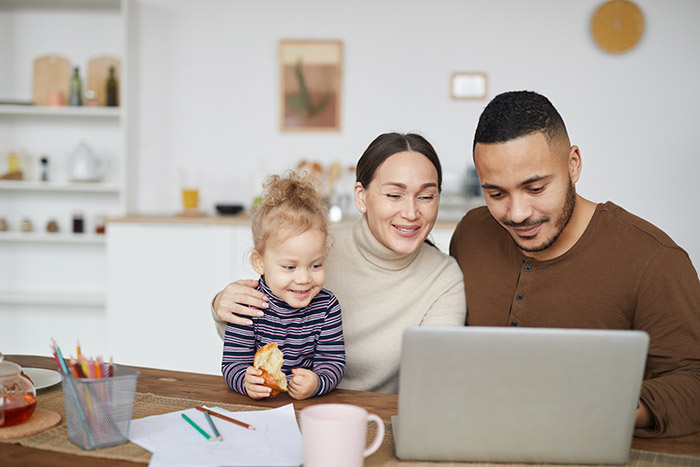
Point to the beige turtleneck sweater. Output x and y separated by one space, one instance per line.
381 293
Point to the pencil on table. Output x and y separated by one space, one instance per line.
224 417
196 427
213 427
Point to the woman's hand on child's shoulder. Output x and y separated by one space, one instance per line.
254 384
302 384
233 303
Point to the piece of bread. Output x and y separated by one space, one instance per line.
269 358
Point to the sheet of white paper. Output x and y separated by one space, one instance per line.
276 440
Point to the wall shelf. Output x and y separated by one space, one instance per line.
86 187
46 237
63 111
52 299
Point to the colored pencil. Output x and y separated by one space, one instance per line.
224 417
213 427
74 393
74 366
196 427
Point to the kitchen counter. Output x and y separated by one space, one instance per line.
242 219
238 219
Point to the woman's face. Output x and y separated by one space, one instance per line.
401 201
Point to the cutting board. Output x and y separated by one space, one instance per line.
51 73
97 74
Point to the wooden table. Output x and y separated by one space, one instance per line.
213 388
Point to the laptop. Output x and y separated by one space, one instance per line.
565 396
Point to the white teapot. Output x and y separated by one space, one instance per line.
84 165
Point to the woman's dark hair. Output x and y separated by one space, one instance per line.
388 144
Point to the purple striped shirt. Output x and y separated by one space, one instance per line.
310 337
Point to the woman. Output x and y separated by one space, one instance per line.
381 268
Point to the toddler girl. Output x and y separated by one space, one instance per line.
289 236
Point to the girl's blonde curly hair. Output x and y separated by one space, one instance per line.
291 205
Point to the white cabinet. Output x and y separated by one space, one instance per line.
42 274
162 278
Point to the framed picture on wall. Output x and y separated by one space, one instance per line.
310 85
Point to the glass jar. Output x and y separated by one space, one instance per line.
18 395
26 225
78 222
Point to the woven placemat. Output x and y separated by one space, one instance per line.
145 404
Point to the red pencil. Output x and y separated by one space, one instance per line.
55 354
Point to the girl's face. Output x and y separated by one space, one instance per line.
294 267
401 202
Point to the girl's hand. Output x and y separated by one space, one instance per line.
233 303
302 384
254 384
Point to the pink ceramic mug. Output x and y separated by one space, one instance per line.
336 434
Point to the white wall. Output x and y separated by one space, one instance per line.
205 91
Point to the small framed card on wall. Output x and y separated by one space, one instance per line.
468 85
310 85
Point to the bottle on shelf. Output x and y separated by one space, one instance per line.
111 89
76 88
78 223
44 168
14 171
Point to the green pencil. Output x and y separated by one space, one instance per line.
213 427
196 427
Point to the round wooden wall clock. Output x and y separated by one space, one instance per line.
617 26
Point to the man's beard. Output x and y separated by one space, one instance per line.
566 214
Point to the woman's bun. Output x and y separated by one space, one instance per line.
269 359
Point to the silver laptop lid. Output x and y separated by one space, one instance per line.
518 394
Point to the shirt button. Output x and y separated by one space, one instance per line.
519 297
513 323
528 268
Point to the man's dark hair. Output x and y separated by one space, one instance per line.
519 113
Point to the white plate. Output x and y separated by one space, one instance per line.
42 378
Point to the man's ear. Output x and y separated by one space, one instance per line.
256 260
360 197
574 163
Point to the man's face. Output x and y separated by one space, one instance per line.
529 190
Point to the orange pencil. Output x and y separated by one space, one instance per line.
74 367
100 368
224 417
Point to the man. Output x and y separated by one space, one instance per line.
540 255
